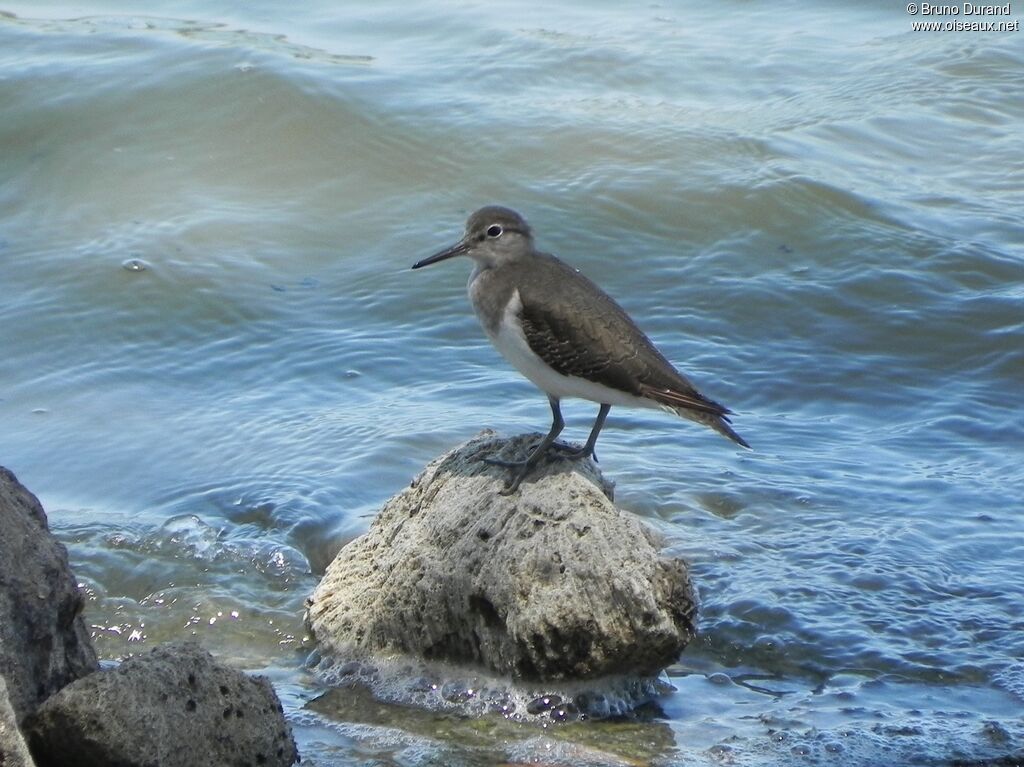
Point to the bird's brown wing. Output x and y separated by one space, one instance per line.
579 330
599 343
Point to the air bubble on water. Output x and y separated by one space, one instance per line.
277 560
134 265
720 752
543 703
189 534
457 692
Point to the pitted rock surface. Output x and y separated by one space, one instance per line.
551 583
173 707
44 643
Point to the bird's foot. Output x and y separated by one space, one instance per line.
516 464
568 453
555 451
505 464
523 468
514 479
512 483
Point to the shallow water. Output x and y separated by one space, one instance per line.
217 365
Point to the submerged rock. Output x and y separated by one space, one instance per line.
174 707
44 644
551 583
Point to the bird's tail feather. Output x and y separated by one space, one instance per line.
721 425
695 406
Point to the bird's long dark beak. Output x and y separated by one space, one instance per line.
458 249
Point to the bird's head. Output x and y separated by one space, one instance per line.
493 235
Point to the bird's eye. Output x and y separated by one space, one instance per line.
494 231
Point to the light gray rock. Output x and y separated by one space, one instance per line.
13 752
44 644
173 707
551 583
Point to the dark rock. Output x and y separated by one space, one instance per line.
13 752
44 644
173 707
551 583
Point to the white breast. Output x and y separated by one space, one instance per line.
511 342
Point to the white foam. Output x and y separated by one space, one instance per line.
472 692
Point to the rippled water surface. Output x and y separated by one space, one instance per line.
216 364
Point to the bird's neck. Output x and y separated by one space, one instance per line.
490 289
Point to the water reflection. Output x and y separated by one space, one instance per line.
470 740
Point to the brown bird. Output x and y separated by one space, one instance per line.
566 335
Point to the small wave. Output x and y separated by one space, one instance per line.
471 692
1011 679
187 536
204 32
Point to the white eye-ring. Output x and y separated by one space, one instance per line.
494 231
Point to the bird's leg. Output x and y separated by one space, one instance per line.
588 449
525 467
557 424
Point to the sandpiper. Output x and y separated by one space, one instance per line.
566 335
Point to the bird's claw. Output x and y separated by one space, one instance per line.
556 451
512 484
573 453
503 463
